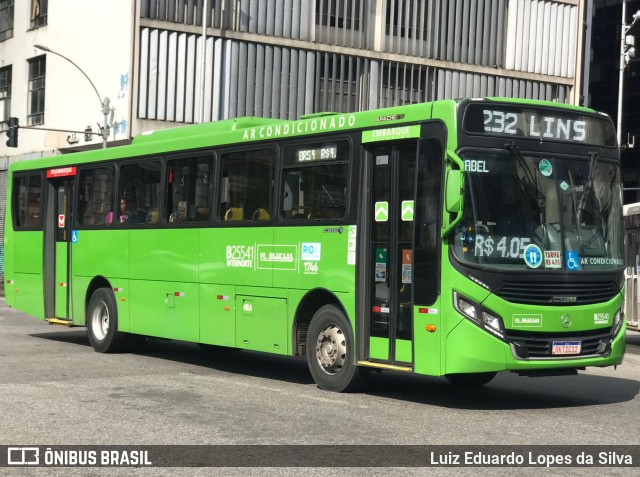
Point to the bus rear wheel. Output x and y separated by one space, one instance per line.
102 323
330 352
470 380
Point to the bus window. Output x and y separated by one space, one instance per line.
95 196
315 181
27 206
139 193
427 223
246 184
188 191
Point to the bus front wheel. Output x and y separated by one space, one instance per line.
102 323
469 380
330 351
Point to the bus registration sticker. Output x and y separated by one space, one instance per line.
566 347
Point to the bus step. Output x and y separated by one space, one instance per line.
58 321
391 367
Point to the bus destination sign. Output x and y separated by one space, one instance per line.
325 153
61 172
538 123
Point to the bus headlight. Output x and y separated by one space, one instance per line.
493 324
617 322
480 316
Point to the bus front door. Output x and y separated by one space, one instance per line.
392 173
57 248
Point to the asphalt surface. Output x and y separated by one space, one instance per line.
55 390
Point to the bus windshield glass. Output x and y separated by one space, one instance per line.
541 212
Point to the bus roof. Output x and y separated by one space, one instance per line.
247 130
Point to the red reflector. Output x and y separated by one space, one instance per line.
376 309
423 310
220 297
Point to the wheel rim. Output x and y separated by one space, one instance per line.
331 349
100 321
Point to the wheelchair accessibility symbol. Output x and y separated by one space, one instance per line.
572 259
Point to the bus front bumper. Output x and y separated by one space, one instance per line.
469 349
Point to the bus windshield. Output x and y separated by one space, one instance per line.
524 212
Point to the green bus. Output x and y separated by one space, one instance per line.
451 238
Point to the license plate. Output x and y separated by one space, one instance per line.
566 347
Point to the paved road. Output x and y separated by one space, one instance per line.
54 390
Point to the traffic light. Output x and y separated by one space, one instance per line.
12 133
629 48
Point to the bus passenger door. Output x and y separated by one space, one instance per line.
392 173
57 247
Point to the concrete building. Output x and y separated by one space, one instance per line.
604 76
160 67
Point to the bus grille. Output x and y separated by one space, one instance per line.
557 293
538 345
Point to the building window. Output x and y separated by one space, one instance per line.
5 96
39 13
37 75
338 13
6 19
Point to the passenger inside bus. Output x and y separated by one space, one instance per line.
106 212
125 214
179 215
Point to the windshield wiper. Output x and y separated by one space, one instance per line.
513 149
595 154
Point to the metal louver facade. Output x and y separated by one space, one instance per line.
285 58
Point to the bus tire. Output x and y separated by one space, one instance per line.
102 323
470 380
330 352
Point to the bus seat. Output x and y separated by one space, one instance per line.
152 216
234 213
261 214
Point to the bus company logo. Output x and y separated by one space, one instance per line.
527 321
23 456
311 252
277 257
392 117
564 299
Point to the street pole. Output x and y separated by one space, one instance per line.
627 51
623 35
104 103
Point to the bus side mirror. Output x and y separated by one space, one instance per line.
453 191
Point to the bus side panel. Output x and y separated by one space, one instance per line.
164 309
27 273
427 344
230 256
319 258
163 275
261 323
165 255
100 253
217 315
9 269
